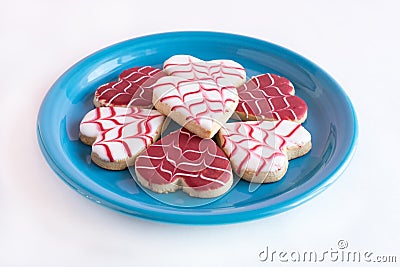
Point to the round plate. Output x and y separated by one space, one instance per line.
331 121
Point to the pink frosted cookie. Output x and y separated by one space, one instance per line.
117 135
133 88
182 160
270 97
201 96
259 151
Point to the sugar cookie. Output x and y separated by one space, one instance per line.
182 160
117 135
270 97
259 151
133 88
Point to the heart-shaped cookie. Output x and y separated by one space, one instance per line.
270 97
224 72
133 88
199 95
182 160
260 150
201 106
117 135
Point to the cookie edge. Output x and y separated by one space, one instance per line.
179 184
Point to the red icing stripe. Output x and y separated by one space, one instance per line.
200 163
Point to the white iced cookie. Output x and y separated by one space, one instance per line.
259 151
199 106
223 71
117 134
201 96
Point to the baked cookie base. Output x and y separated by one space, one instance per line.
180 185
251 117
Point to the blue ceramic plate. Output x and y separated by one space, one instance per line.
331 121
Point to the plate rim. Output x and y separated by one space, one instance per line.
204 219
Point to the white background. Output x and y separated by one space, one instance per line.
45 223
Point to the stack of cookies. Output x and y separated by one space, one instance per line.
201 96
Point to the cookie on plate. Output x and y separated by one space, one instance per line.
182 160
201 106
133 88
117 135
223 71
260 151
199 95
270 97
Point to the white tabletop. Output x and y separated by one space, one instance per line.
43 222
